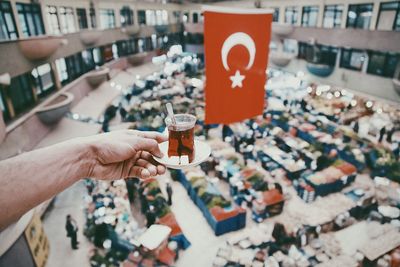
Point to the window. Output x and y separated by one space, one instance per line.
74 66
359 16
195 18
326 55
159 18
21 94
177 16
140 45
382 64
30 19
333 16
163 17
114 49
3 106
290 46
82 19
310 16
8 30
107 53
352 59
291 14
62 70
389 16
153 41
126 16
142 17
67 19
97 58
275 16
150 17
185 17
107 19
43 78
87 60
52 19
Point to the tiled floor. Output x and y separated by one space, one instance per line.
68 202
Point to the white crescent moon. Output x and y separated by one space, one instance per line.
238 38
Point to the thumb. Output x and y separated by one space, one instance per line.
149 145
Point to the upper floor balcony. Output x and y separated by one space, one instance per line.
34 51
342 37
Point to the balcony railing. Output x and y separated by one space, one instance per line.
13 60
354 38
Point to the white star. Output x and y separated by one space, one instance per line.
237 79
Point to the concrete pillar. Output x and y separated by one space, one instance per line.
8 101
344 16
17 23
299 16
374 17
44 18
57 81
117 16
320 20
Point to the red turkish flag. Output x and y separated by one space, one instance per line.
236 45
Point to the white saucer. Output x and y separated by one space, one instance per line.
201 149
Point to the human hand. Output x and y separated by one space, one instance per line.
123 154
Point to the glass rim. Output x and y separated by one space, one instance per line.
168 120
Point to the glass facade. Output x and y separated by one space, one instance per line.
30 19
291 15
359 16
389 16
309 16
107 19
8 30
333 16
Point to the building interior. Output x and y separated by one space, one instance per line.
312 181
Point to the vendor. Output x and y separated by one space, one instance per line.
107 156
324 161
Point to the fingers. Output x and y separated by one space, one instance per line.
150 167
139 172
148 157
149 145
144 170
152 135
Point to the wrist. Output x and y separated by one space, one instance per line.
85 159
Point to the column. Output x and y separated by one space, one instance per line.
17 23
57 81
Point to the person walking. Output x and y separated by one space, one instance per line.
389 135
381 134
72 229
169 193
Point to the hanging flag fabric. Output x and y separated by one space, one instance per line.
236 45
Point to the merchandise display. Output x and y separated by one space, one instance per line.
300 171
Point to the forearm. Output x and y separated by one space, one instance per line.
33 177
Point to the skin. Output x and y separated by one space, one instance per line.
33 177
